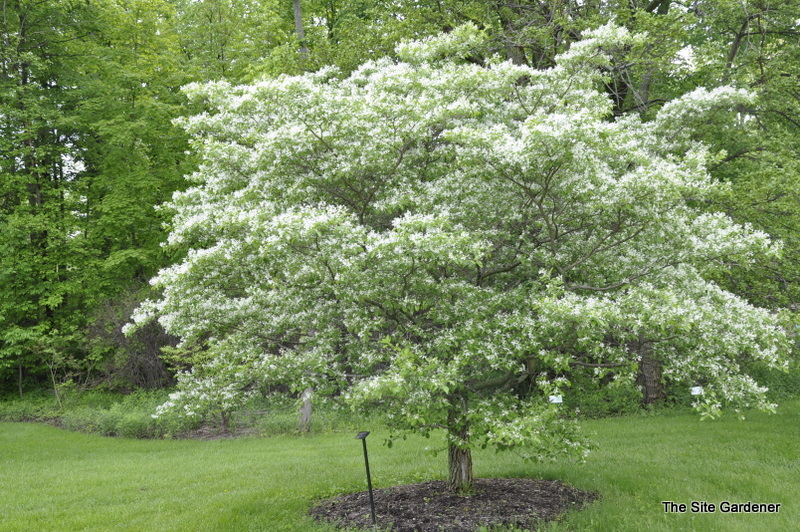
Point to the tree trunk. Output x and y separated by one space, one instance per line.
459 455
305 410
514 51
225 421
298 26
20 377
650 374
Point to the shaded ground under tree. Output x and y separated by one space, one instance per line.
431 507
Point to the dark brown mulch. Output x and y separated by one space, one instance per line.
430 507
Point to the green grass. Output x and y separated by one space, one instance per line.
641 461
61 481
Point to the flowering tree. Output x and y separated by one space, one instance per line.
432 234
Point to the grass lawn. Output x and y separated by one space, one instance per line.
54 480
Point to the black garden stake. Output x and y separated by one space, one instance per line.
363 437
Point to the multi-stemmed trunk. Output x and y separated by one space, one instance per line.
459 455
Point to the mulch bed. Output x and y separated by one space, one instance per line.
430 507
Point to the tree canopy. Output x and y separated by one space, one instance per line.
453 238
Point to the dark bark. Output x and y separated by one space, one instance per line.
659 6
650 373
736 45
21 376
514 52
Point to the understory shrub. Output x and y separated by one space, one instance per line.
96 412
593 398
33 407
781 384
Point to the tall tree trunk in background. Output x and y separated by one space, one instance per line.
650 373
514 51
305 410
459 456
298 26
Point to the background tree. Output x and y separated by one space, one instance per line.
753 45
88 94
432 234
228 39
37 173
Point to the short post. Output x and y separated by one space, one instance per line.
363 437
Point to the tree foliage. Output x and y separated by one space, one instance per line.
88 149
451 240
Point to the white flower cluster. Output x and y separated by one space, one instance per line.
213 390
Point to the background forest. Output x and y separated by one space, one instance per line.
89 90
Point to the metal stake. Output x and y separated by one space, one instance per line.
363 437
